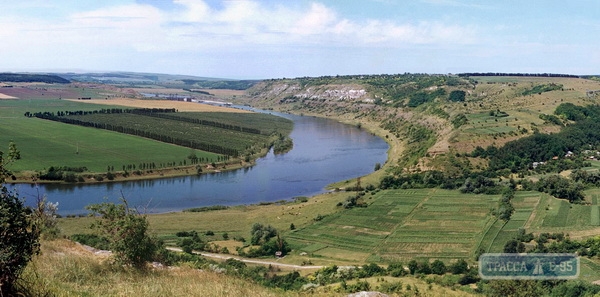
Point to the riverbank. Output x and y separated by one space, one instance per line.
30 177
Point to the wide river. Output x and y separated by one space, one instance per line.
324 152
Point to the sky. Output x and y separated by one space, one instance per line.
260 39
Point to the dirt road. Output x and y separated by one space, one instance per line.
261 262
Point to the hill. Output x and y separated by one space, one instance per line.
169 80
434 115
28 77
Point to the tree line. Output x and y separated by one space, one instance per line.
467 74
26 77
204 122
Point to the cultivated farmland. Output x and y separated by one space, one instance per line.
401 224
46 143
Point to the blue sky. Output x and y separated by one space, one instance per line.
272 39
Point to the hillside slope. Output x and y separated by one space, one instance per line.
423 113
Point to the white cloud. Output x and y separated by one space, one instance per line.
193 10
114 35
252 23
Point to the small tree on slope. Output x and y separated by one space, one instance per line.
126 230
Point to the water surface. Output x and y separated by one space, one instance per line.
324 152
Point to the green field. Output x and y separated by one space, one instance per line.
483 123
524 204
46 143
187 132
401 224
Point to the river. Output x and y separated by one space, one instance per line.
325 151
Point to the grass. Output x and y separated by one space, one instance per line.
589 269
66 269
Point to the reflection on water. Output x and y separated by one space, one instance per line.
324 152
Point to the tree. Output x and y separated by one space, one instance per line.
19 235
438 267
126 230
514 246
457 96
461 266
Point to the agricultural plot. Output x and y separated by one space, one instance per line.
557 215
44 144
266 124
484 123
524 204
42 91
402 224
172 129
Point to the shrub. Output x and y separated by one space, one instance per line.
19 235
126 230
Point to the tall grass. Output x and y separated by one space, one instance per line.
66 269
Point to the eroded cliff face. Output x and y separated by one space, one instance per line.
293 91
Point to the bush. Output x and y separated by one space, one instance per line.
126 231
92 240
19 235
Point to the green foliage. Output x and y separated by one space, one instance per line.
353 201
19 233
480 184
377 166
419 98
390 288
461 266
396 269
261 234
268 240
206 208
514 288
505 207
93 240
561 187
514 246
438 267
574 289
549 118
542 88
520 154
45 216
457 96
459 120
282 145
27 77
65 173
127 231
220 84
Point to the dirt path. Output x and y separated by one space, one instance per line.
225 257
